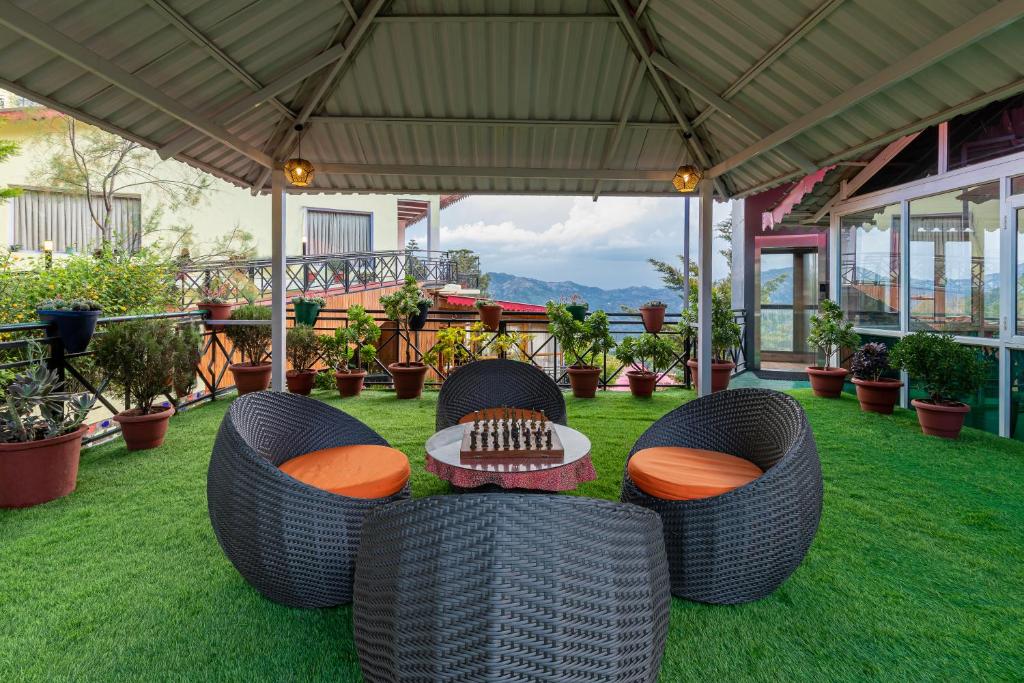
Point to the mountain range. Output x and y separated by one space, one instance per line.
528 290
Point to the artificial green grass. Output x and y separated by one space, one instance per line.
916 572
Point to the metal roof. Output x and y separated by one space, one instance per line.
565 96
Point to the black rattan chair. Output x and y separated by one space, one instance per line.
741 545
496 383
294 543
511 587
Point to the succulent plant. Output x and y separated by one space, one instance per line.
68 305
34 407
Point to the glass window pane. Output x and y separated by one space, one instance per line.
1020 271
954 261
1017 185
869 248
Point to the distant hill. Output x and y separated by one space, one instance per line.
530 291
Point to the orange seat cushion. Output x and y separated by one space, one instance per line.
352 471
673 473
497 413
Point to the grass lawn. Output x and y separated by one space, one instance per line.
916 572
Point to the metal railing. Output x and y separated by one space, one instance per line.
339 273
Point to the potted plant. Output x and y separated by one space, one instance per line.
251 373
401 306
303 350
137 357
647 354
213 298
450 348
418 321
875 392
725 336
307 309
73 320
653 315
40 435
830 333
577 307
351 351
187 353
490 313
581 342
946 370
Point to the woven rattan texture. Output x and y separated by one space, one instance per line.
495 383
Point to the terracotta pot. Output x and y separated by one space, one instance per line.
653 317
215 312
250 378
142 432
300 381
721 373
945 420
878 397
349 383
827 382
490 316
39 471
408 379
584 381
642 384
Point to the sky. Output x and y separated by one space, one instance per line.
602 244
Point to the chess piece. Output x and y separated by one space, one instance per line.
526 438
547 439
472 440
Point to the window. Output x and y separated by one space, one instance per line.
337 232
994 131
1017 185
869 252
39 215
954 261
1020 270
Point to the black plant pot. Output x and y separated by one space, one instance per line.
418 321
75 328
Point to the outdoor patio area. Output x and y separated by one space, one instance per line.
914 573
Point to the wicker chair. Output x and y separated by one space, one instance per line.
511 587
294 543
495 383
741 545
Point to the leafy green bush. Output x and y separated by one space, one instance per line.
250 340
303 347
403 304
830 332
187 353
138 358
646 353
35 408
353 344
725 331
581 342
947 370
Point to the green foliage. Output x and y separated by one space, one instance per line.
947 370
8 149
303 347
480 303
646 353
830 332
655 304
581 342
187 353
725 331
250 340
449 349
402 305
68 305
138 358
467 262
318 300
353 342
35 408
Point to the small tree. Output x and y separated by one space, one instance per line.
353 344
303 347
401 305
467 261
947 370
647 353
250 340
581 342
138 358
830 332
725 331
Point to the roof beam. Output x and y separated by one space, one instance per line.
497 18
967 33
208 46
497 172
701 89
802 29
865 174
636 38
56 42
226 113
353 41
492 123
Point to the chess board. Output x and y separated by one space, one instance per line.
496 440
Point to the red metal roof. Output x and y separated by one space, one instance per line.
513 306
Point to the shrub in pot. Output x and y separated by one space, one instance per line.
647 355
450 348
40 435
490 313
946 370
187 353
725 336
303 350
251 373
307 309
582 342
351 351
73 320
401 307
875 392
653 315
830 333
138 359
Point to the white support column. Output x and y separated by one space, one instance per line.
705 237
686 252
278 275
434 225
